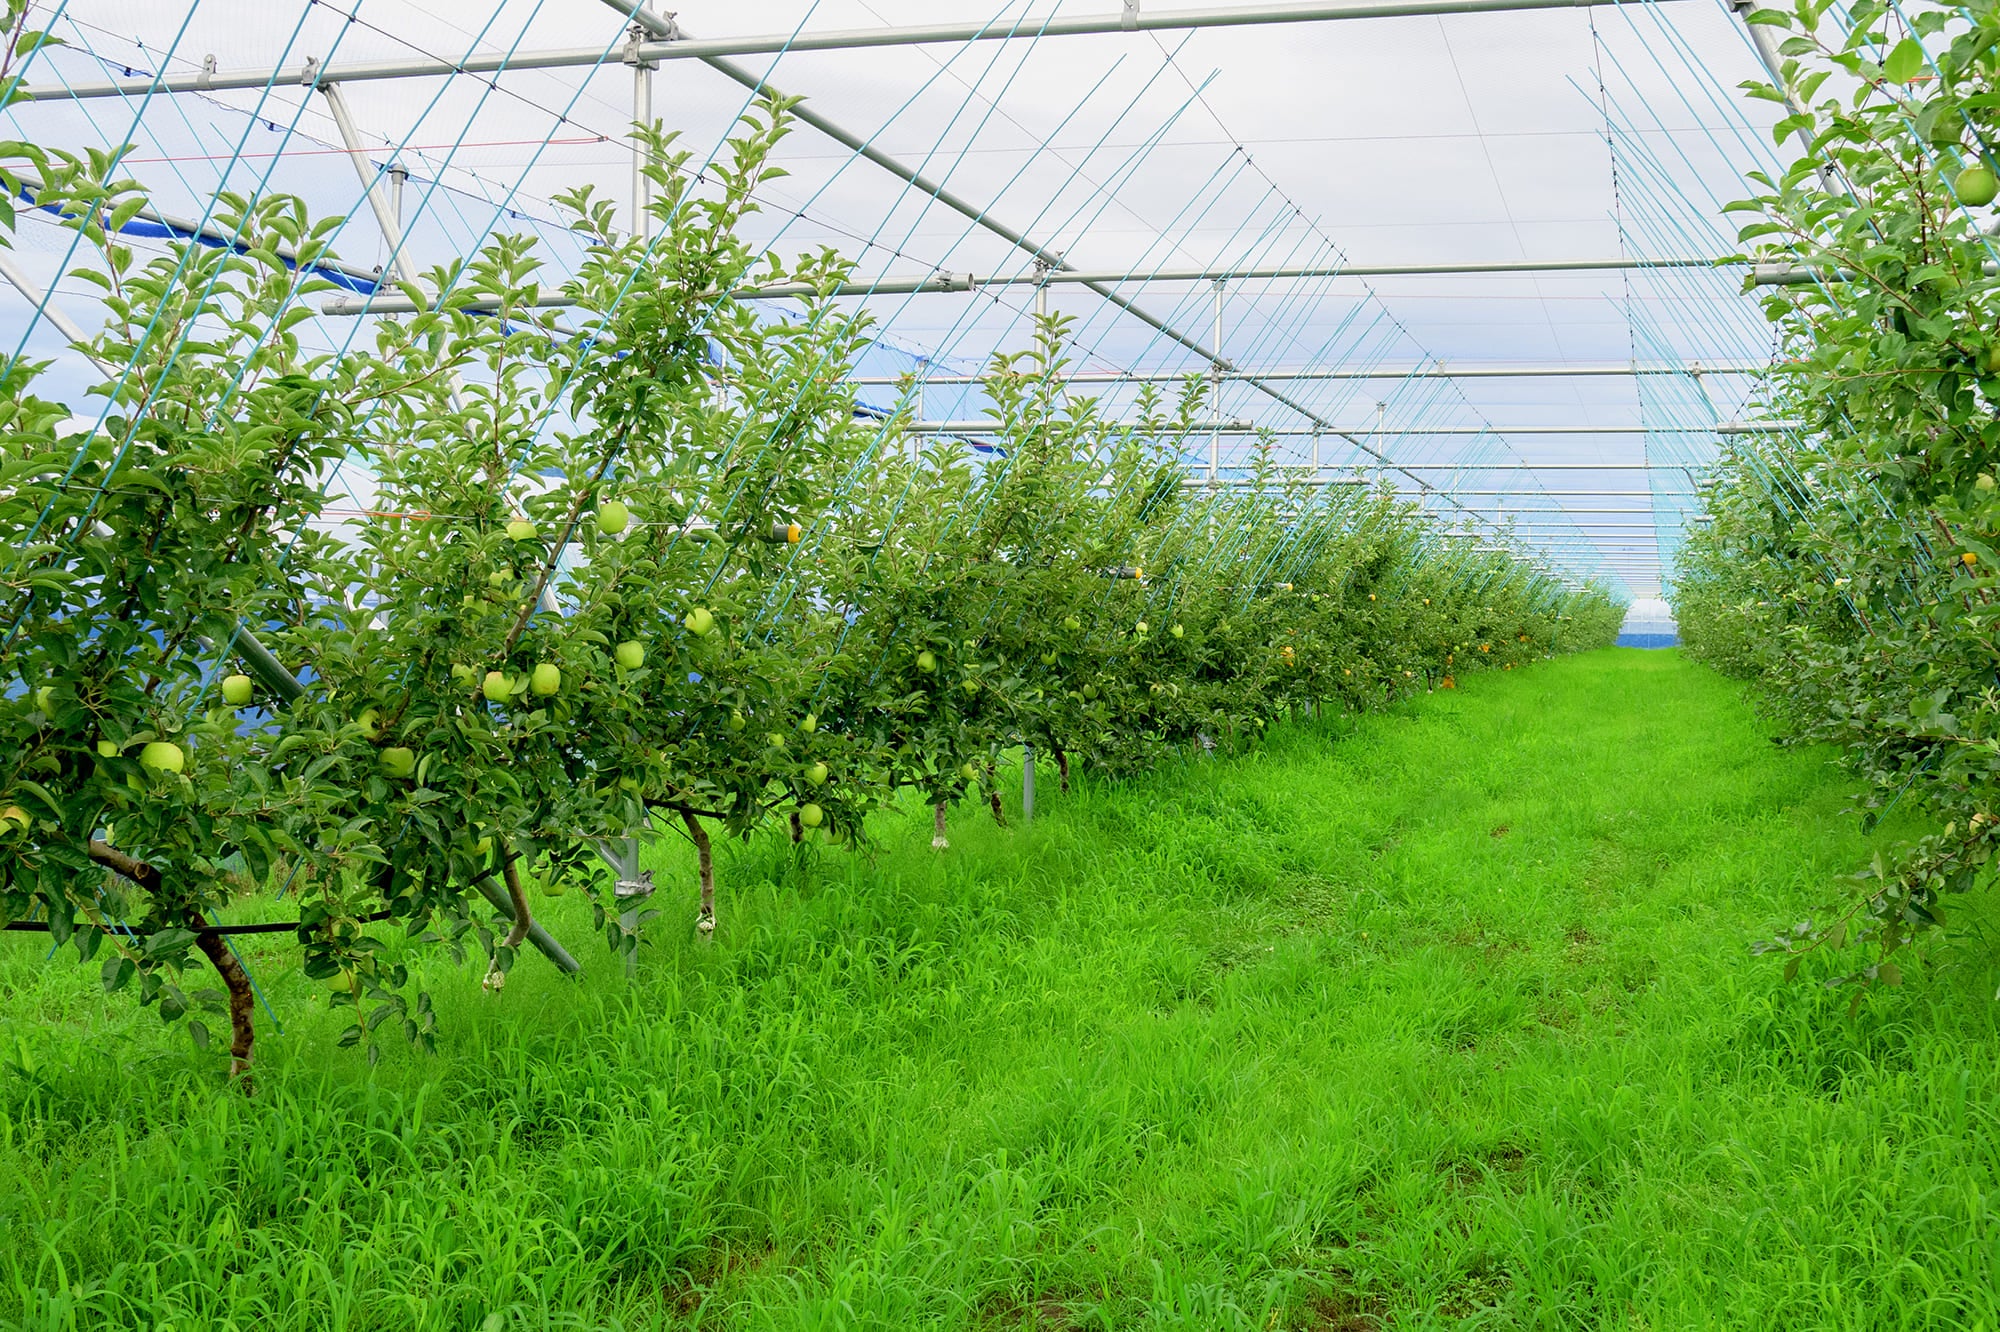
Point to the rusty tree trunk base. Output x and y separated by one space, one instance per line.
704 921
1062 767
798 829
939 842
242 1002
993 798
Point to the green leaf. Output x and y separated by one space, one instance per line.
1905 62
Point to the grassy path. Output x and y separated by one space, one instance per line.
1447 1020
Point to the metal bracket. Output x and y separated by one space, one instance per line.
309 76
207 75
1129 20
626 889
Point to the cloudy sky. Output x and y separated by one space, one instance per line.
1561 134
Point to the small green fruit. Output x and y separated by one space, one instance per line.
1985 481
967 771
163 756
631 654
809 723
970 687
520 530
483 847
553 887
106 749
926 661
811 816
463 674
613 517
816 774
1976 187
1178 632
500 578
1048 659
546 679
398 761
1072 624
736 722
236 690
775 740
1090 691
45 700
495 687
370 722
1140 627
700 621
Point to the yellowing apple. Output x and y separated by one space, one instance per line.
613 517
816 774
163 756
809 723
520 530
13 817
811 816
700 621
107 749
546 679
236 690
495 687
631 654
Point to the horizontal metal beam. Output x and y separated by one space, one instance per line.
973 427
1769 274
310 73
1435 370
942 283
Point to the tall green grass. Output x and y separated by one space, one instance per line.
1443 1018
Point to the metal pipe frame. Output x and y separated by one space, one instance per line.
1355 433
671 45
1439 370
944 283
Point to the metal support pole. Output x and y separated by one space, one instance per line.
1215 390
399 176
371 184
642 115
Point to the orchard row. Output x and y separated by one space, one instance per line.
630 567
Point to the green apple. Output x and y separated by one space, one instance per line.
613 517
811 816
700 621
1072 624
236 690
1178 632
163 756
775 740
1090 691
520 530
927 661
399 761
1139 628
553 887
970 687
370 722
631 654
500 577
736 720
45 700
107 749
967 771
816 774
809 723
463 674
546 679
484 846
1976 187
495 687
1048 659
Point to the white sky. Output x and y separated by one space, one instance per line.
1391 141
